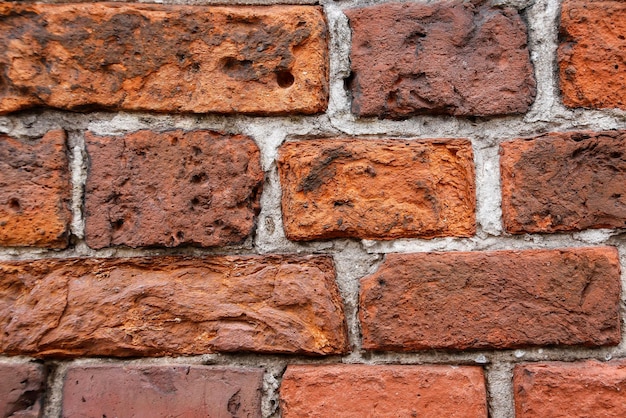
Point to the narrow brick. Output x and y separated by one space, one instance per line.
450 57
161 391
499 299
383 391
564 182
377 189
171 306
35 192
165 58
583 389
22 387
592 54
169 189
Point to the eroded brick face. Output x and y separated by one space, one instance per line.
22 389
255 60
452 58
592 54
499 299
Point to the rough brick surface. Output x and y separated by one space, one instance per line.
383 391
564 182
592 54
198 188
444 58
171 306
377 189
21 390
259 60
35 192
161 391
562 390
500 299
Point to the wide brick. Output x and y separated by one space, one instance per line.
197 188
35 192
161 391
452 57
383 391
255 60
564 182
592 54
377 189
171 306
499 299
583 389
22 388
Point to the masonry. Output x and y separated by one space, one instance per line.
268 208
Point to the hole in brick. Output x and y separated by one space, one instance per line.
616 195
284 79
620 37
181 57
117 225
616 154
616 67
180 235
196 150
198 178
14 204
195 201
195 67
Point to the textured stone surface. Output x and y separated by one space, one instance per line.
197 188
564 182
377 189
21 390
161 391
171 306
592 54
562 390
444 58
35 192
383 391
258 60
499 299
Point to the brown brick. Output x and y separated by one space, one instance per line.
171 306
255 60
584 389
22 388
377 189
499 299
564 182
383 391
197 188
592 54
161 391
452 58
35 192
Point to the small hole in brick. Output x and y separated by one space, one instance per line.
284 79
14 204
180 235
197 178
117 224
195 201
616 67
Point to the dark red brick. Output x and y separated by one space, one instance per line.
22 387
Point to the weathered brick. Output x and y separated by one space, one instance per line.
22 388
457 58
197 188
383 391
161 391
583 389
35 192
564 182
171 306
377 189
592 54
499 299
255 60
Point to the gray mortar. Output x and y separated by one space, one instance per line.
353 259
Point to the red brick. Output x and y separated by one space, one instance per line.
499 299
383 391
592 54
165 58
22 388
377 189
196 188
161 391
583 389
564 182
35 192
171 306
455 58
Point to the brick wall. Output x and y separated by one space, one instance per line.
336 208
